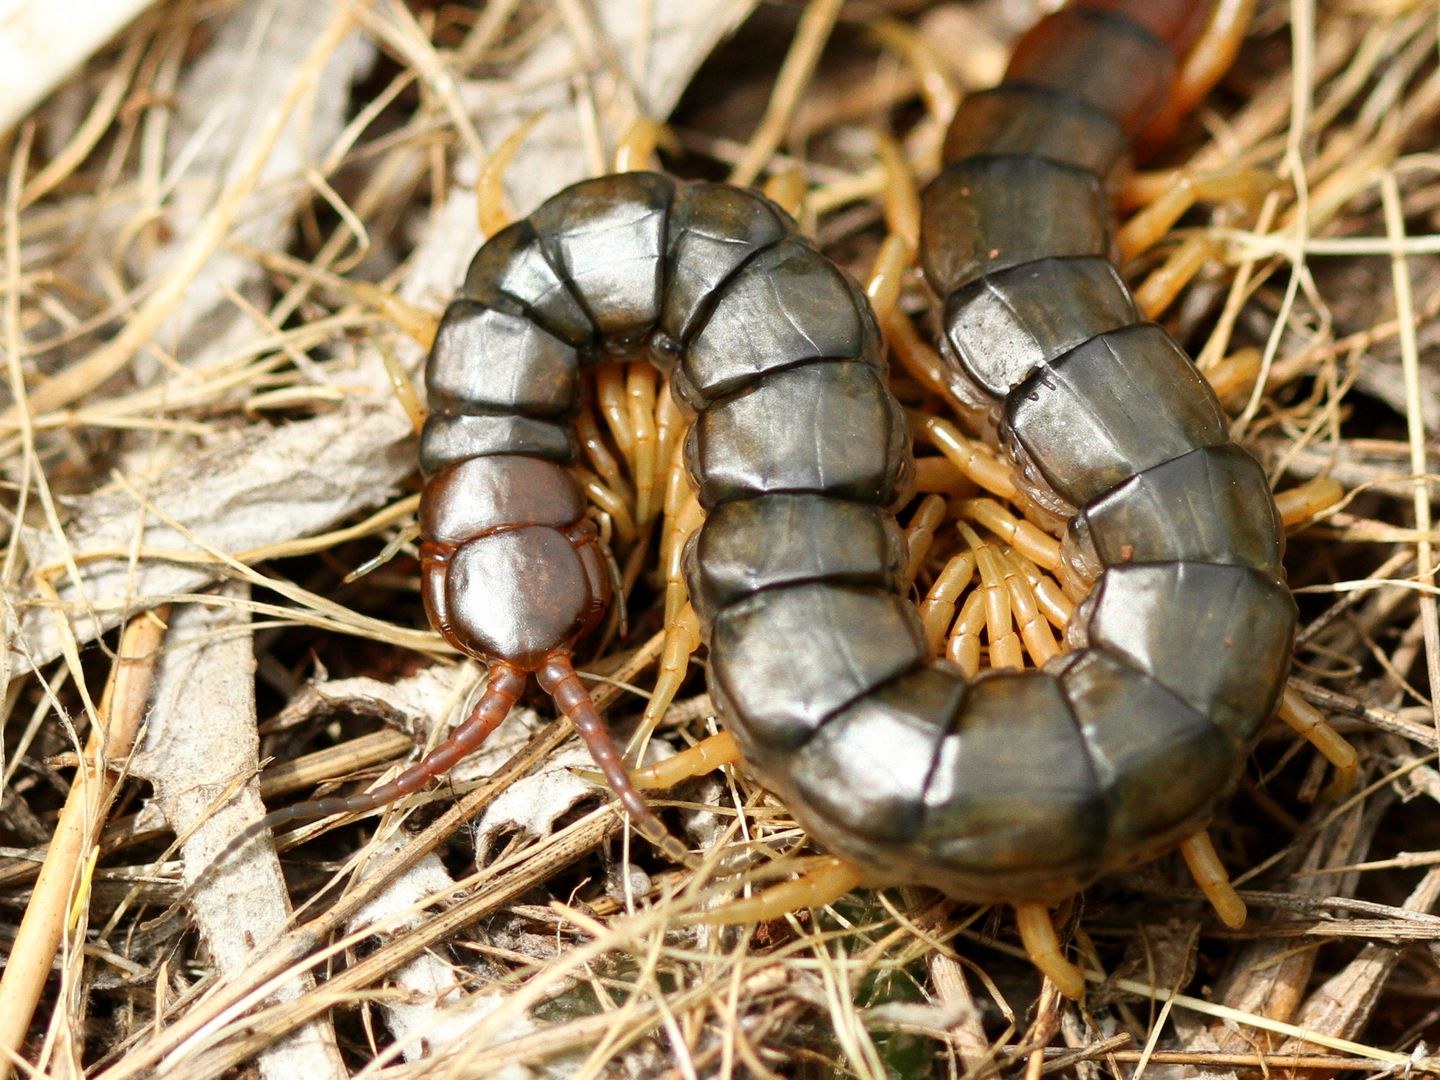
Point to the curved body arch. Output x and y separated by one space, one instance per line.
1018 786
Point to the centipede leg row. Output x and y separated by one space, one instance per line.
1019 786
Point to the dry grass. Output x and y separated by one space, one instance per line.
199 427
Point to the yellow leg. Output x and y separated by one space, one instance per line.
1309 723
638 146
610 399
915 356
892 262
1034 543
920 534
409 534
1176 192
690 517
705 756
1009 569
1235 375
609 502
490 204
640 386
1037 934
670 426
404 389
1302 503
680 501
939 476
937 610
822 883
1054 604
887 275
599 455
682 638
963 648
976 460
643 424
1035 631
788 190
1158 291
1006 649
934 75
1210 57
897 251
902 193
683 516
1209 873
416 322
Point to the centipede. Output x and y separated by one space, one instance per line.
1019 787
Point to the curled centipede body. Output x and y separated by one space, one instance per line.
1018 786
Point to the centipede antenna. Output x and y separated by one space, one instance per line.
558 679
503 689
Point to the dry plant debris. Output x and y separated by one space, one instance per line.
200 444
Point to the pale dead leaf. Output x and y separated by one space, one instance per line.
201 737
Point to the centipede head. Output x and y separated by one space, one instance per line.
513 575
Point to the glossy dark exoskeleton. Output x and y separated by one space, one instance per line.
1020 786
